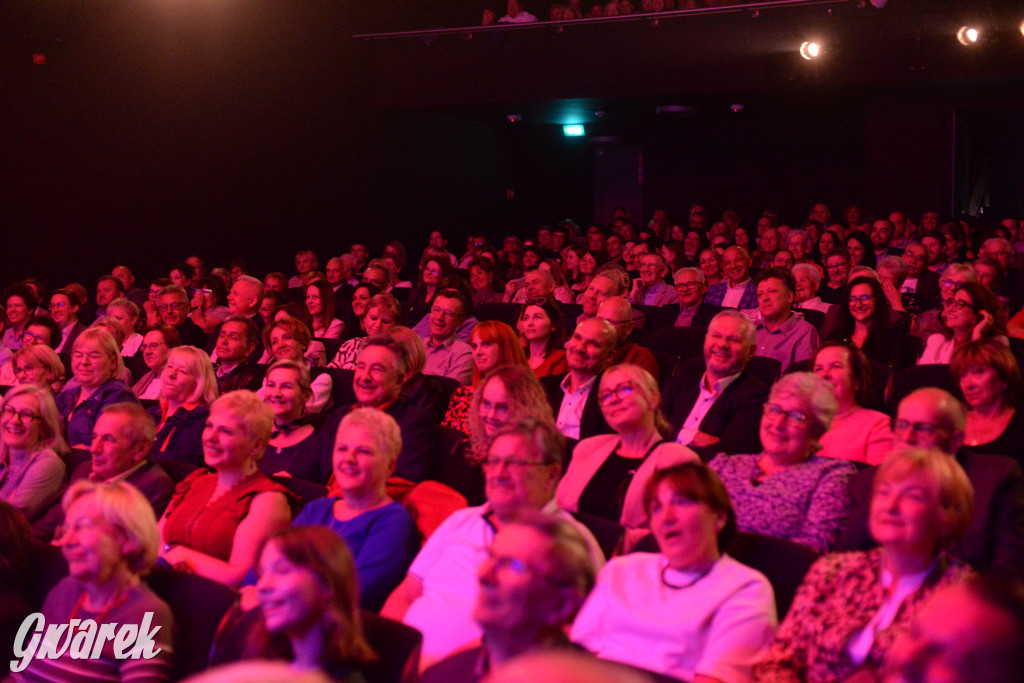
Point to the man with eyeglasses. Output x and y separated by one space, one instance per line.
714 404
650 289
933 418
837 268
691 286
173 307
535 578
64 306
619 313
447 355
438 596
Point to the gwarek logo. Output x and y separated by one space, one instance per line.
82 639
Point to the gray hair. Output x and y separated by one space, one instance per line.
701 278
895 265
616 274
746 325
810 270
812 390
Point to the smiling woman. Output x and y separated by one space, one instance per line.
607 473
31 470
786 491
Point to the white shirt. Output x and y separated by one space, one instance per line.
705 399
718 626
570 414
860 644
734 295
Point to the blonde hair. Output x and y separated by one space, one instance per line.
953 490
305 381
199 365
414 348
42 355
645 384
381 427
51 435
123 506
104 342
256 416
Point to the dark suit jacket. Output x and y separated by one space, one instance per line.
244 376
592 423
73 333
192 334
180 438
927 295
151 479
995 538
417 460
734 417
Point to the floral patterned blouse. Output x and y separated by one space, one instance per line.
457 416
806 503
840 595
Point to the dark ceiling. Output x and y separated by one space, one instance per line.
554 73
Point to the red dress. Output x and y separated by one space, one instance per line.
196 522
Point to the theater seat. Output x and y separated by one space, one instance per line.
607 532
684 342
175 469
505 312
765 369
919 376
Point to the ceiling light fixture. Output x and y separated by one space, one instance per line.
810 50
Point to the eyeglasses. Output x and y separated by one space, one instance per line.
618 393
23 415
797 417
152 346
518 464
835 267
163 308
33 336
80 524
958 304
863 298
444 312
928 429
687 285
951 284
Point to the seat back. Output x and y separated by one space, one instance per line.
506 312
684 342
176 469
397 647
331 346
783 562
341 384
765 369
608 533
302 491
936 375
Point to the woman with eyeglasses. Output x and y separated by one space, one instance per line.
787 491
31 446
507 394
866 320
493 343
972 313
858 433
607 474
96 363
989 378
688 611
157 341
851 607
39 365
542 331
109 540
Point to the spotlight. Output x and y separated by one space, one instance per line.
967 35
572 130
1022 28
514 118
810 50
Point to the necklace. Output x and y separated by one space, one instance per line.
664 578
120 598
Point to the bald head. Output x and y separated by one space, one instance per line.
617 311
930 418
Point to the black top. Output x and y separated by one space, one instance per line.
605 492
1010 443
302 460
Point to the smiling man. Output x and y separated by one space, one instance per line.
439 594
382 368
573 396
712 405
533 581
780 334
737 290
447 355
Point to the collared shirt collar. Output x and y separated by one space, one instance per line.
120 477
719 386
583 387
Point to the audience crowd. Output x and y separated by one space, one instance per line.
702 450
